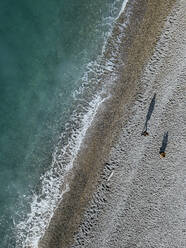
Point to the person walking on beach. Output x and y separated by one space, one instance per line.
148 116
164 145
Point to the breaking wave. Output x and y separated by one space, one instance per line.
99 76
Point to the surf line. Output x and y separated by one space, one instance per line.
122 8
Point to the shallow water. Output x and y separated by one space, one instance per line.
45 47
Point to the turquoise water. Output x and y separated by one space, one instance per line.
44 49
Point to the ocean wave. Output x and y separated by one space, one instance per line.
99 76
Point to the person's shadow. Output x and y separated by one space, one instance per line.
148 116
164 144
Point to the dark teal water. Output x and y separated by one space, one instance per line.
44 48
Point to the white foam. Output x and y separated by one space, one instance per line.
51 194
42 208
122 8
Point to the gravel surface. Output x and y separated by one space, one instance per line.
123 195
141 198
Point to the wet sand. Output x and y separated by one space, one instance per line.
121 193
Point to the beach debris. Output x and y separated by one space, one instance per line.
111 174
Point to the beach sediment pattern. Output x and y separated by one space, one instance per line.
121 194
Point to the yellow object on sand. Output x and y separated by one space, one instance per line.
162 154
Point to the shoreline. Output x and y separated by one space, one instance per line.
141 37
140 199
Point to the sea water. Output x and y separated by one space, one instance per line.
47 52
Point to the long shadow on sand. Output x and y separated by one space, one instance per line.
148 116
164 143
